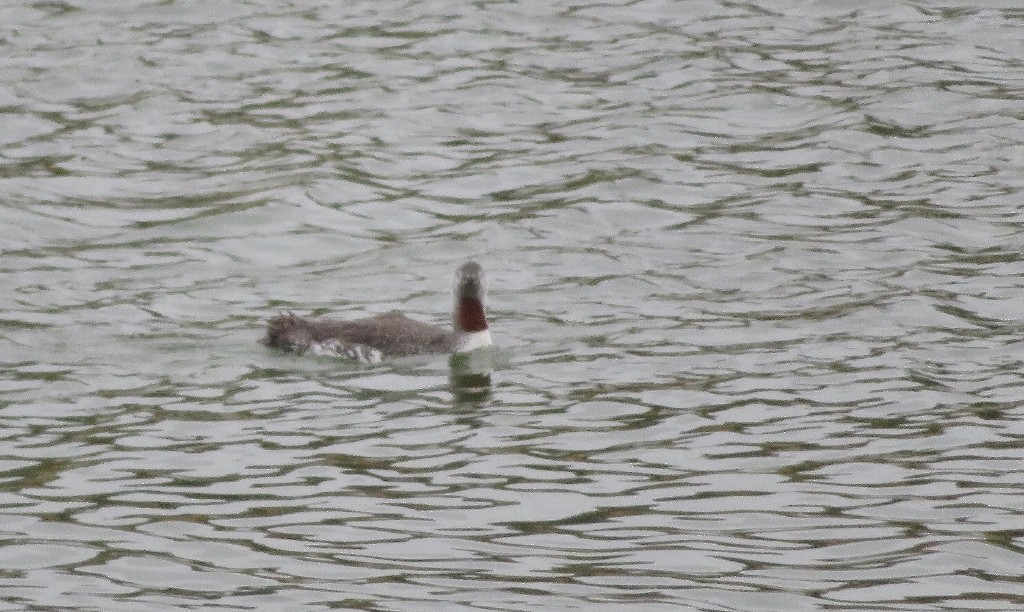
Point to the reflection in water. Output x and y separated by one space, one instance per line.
470 375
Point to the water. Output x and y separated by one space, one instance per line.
754 267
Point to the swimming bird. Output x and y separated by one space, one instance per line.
392 334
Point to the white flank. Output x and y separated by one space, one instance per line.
333 348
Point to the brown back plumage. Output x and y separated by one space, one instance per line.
392 333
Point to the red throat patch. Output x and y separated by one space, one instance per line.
471 315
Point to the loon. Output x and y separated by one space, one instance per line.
371 339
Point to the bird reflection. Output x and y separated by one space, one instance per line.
470 376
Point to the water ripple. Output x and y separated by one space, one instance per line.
754 271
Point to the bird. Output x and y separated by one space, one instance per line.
372 339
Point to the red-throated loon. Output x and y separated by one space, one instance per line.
392 334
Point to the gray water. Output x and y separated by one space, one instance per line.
755 270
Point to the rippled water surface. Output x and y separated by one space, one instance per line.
755 270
